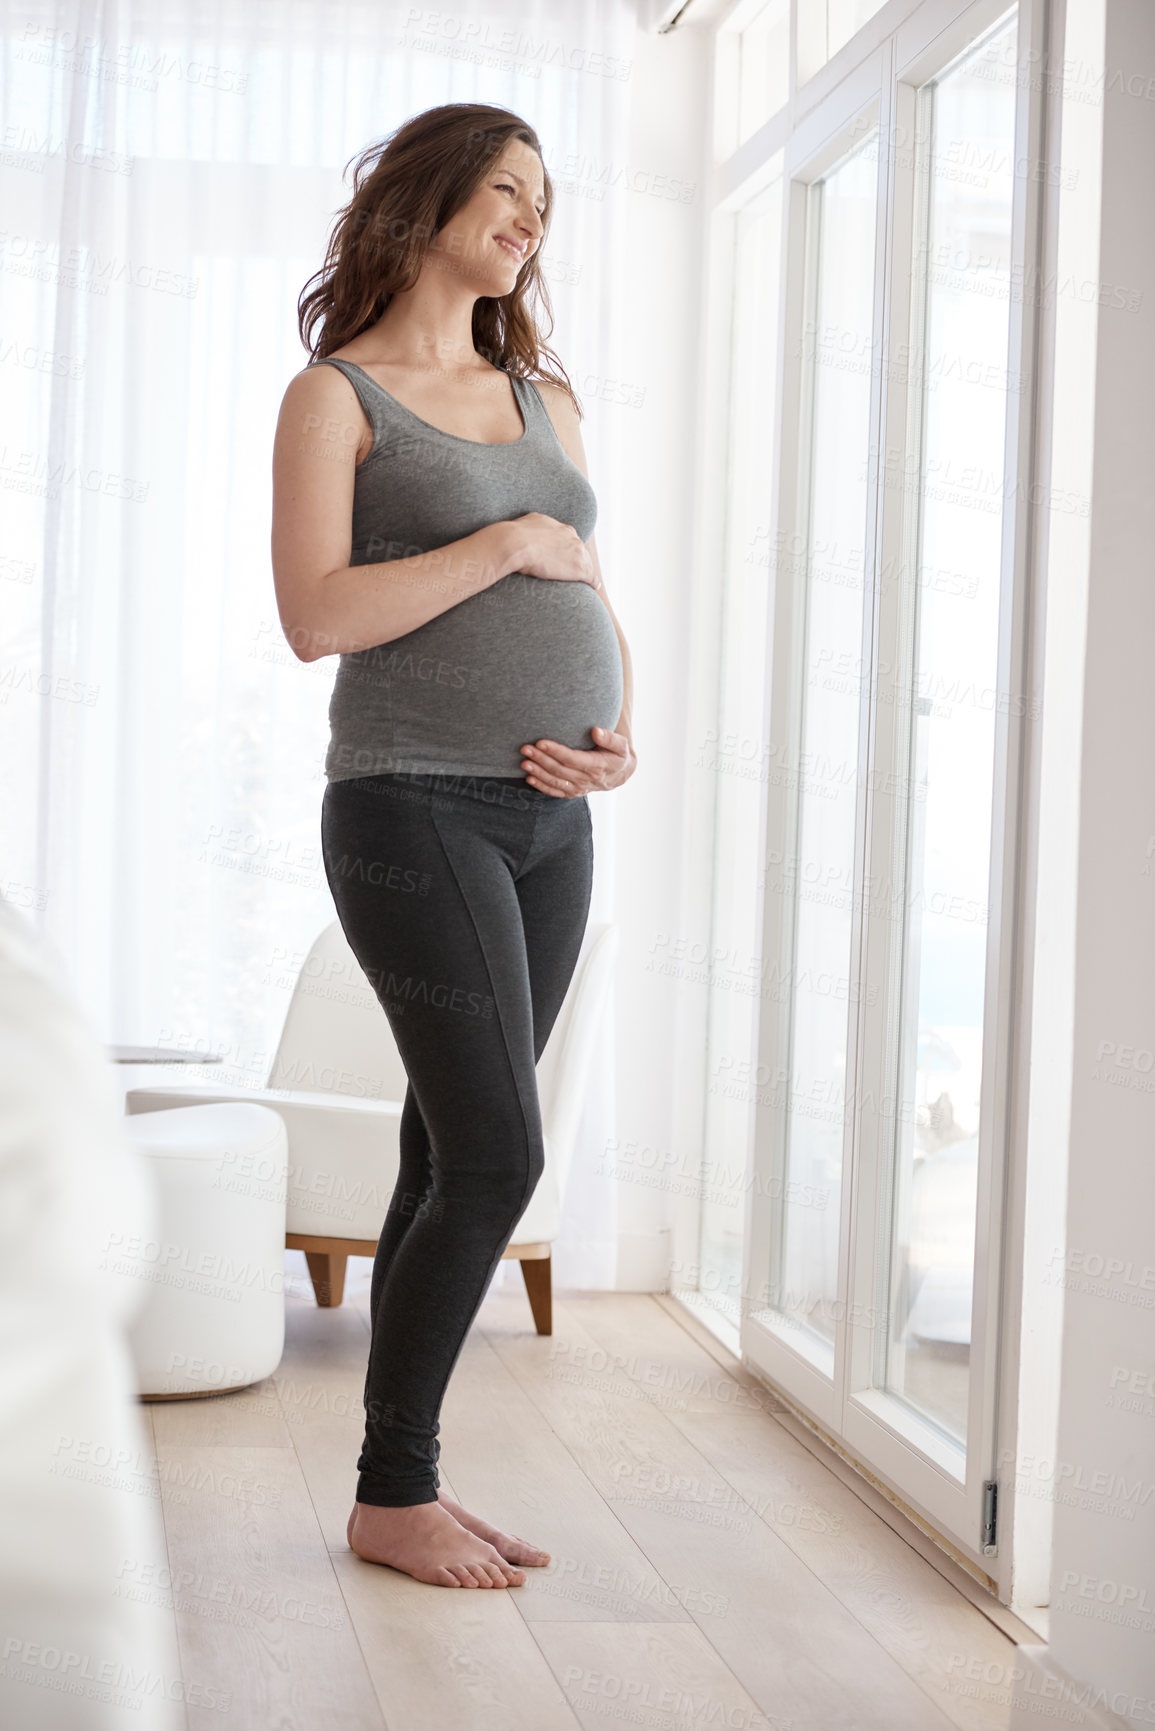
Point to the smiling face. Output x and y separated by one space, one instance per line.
499 226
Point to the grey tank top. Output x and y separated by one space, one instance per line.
527 658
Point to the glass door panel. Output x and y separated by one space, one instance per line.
964 275
733 988
821 979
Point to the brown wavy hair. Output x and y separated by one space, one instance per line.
405 188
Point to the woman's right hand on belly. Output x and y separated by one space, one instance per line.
546 547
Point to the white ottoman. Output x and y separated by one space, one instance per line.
213 1317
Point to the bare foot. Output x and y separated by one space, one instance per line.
513 1549
425 1541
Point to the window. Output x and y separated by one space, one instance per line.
819 964
735 759
963 259
858 1260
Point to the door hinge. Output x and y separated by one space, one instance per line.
990 1518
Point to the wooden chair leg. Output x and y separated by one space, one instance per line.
536 1273
327 1272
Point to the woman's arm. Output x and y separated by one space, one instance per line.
326 605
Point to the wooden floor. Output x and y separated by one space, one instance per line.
707 1570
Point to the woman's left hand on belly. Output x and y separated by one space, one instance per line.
567 774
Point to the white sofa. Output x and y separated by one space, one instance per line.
338 1082
88 1642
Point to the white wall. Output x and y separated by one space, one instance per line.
1102 1628
1038 1208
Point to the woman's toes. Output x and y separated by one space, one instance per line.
495 1573
464 1574
519 1551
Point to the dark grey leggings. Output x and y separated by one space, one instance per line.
468 930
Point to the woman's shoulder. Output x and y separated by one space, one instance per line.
316 379
552 395
566 423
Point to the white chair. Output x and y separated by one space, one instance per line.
214 1270
338 1082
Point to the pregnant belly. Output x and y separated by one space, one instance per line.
528 658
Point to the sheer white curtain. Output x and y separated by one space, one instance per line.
169 176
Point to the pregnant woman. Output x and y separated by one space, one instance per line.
433 527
